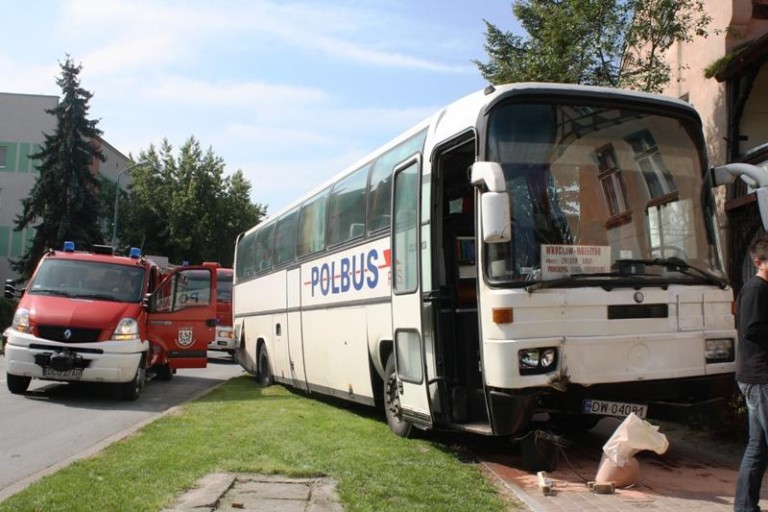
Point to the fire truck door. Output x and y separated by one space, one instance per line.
182 315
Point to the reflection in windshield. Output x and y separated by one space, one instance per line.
89 280
590 185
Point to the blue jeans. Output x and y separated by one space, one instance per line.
755 459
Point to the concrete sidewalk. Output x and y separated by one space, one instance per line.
259 493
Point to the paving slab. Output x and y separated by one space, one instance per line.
259 493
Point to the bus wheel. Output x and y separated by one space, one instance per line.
265 374
17 384
129 391
396 423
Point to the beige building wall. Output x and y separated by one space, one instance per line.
734 23
23 123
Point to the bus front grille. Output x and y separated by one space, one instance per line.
623 312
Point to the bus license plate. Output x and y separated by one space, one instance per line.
614 408
73 374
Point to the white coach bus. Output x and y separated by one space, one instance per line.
531 249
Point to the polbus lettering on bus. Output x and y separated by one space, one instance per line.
352 274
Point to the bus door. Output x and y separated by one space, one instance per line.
408 339
182 315
295 350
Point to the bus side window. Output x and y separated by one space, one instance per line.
346 207
264 242
285 238
379 194
246 256
311 237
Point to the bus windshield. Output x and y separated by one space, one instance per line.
599 192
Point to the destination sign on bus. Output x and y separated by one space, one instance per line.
564 260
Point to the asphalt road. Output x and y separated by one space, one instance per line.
55 423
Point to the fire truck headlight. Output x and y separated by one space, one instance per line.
21 320
719 350
127 330
533 361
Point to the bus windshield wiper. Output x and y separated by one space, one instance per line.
568 279
673 263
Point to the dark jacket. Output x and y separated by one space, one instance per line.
752 325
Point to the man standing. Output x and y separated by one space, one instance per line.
752 377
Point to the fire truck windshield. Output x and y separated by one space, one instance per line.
88 280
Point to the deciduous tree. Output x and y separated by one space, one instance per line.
183 206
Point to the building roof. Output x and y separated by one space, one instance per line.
754 53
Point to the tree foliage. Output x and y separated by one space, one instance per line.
615 43
184 208
63 203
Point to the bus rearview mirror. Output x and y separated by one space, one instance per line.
496 219
753 175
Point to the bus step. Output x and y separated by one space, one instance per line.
475 428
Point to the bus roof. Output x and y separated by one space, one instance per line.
462 115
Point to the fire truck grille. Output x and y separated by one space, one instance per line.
68 334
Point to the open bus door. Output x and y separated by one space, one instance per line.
407 311
182 315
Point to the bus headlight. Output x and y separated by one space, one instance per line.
225 333
719 350
20 320
127 330
533 361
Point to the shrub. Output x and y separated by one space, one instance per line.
7 307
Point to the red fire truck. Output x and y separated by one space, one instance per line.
97 317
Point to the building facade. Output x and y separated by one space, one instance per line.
23 123
725 76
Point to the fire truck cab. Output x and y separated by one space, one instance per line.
97 317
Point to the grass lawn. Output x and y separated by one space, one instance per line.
241 427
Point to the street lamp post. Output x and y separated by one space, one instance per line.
117 201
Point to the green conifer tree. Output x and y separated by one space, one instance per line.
63 203
614 43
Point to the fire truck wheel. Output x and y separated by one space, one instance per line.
17 384
265 374
397 424
131 390
165 372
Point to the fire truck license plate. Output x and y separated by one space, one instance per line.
613 408
73 374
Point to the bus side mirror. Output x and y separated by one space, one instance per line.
754 176
494 202
496 220
762 204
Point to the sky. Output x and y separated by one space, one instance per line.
289 92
